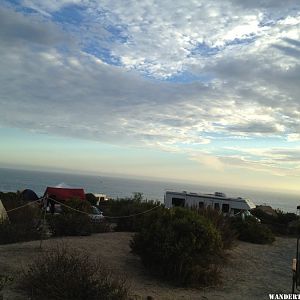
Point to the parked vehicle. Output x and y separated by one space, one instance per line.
96 215
218 201
247 213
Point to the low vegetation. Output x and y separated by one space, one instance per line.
250 230
74 221
22 224
14 233
4 281
280 222
90 197
180 246
222 223
70 224
128 207
25 224
64 273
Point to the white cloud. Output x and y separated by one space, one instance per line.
248 87
293 137
209 161
162 37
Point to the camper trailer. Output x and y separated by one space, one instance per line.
218 201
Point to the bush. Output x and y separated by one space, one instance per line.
180 246
77 204
74 223
13 233
4 280
10 196
127 207
101 227
279 223
91 198
263 216
222 223
249 230
285 218
27 215
70 224
22 222
68 274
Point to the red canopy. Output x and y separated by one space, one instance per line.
63 194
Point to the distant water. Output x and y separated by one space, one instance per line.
13 180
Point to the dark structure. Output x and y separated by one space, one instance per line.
29 195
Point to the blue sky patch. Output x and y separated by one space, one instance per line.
243 41
188 77
204 50
71 14
17 5
103 53
117 33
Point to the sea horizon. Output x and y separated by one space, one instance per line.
13 179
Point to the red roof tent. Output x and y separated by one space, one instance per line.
63 194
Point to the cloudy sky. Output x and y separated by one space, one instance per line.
202 91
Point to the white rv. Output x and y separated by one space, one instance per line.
218 201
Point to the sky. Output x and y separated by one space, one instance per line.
198 91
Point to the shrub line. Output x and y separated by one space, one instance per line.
107 217
16 208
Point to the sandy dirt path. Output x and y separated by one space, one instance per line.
252 271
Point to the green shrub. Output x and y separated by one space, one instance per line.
4 280
68 274
222 223
127 207
71 222
249 230
285 218
77 204
101 227
9 196
13 233
180 246
74 223
91 198
22 222
27 215
263 216
279 223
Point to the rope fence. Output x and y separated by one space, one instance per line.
107 217
19 207
82 212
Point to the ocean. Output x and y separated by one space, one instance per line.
12 180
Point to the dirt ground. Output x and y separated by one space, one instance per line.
252 271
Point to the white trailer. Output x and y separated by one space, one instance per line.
218 201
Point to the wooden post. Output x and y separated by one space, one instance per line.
43 222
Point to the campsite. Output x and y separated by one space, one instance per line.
149 149
247 270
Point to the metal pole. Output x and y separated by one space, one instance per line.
295 272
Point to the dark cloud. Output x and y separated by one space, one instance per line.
292 49
255 127
269 4
284 155
16 29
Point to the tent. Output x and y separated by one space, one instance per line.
29 195
65 193
3 213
